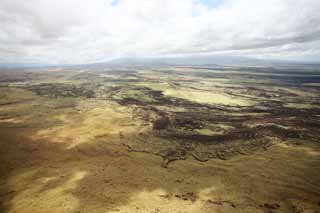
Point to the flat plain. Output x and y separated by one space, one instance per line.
160 139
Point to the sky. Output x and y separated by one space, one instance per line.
88 31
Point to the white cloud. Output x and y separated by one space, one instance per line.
80 31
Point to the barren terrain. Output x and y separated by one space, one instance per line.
160 139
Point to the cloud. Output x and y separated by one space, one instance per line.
82 31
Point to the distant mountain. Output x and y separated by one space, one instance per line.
22 65
209 60
190 60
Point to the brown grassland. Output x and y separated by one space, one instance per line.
159 139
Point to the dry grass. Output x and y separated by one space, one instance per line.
208 97
199 96
120 181
60 158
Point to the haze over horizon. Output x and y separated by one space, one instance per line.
83 31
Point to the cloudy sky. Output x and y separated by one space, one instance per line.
85 31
